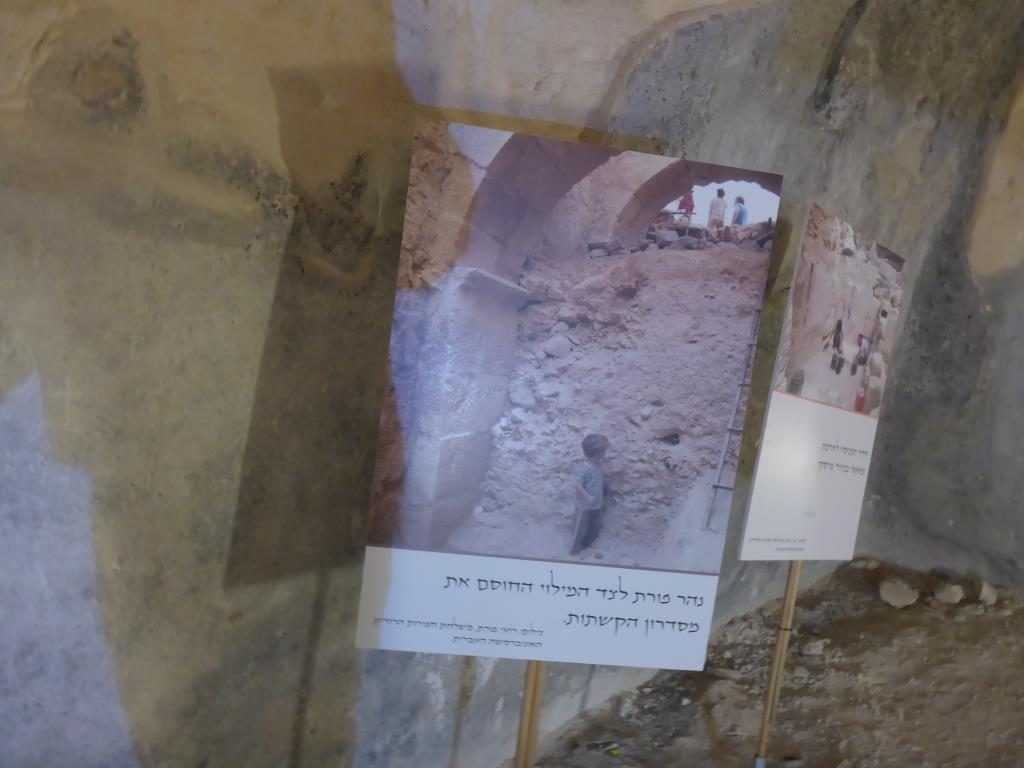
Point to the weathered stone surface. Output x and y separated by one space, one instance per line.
722 673
987 595
949 594
813 648
897 593
109 81
691 243
873 395
869 564
557 346
665 237
521 395
732 710
610 245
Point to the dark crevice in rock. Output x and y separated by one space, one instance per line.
840 43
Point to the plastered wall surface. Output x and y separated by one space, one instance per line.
200 220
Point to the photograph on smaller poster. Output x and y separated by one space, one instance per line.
571 343
846 299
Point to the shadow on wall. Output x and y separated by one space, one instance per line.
308 457
309 452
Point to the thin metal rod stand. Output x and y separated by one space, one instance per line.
529 717
778 662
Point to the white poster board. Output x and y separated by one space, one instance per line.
834 359
528 609
553 477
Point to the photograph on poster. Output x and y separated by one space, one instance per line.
566 366
846 299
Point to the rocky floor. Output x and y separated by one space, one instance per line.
938 682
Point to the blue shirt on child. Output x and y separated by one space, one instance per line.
589 478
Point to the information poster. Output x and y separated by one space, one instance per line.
830 375
570 348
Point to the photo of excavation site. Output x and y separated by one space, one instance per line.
570 354
842 319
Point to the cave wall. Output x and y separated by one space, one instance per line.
199 236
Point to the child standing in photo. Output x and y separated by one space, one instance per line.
739 212
588 491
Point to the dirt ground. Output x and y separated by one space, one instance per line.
867 686
648 348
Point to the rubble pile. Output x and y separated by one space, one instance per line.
669 231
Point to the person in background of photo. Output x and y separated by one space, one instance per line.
686 205
881 321
739 212
834 338
837 347
589 492
716 211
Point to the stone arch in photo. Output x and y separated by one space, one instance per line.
522 185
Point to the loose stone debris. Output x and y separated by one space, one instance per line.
898 593
867 685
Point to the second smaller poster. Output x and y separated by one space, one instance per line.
834 361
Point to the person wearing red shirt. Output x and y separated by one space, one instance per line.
686 202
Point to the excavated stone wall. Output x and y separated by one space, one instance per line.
840 278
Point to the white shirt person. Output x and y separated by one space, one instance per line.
716 212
